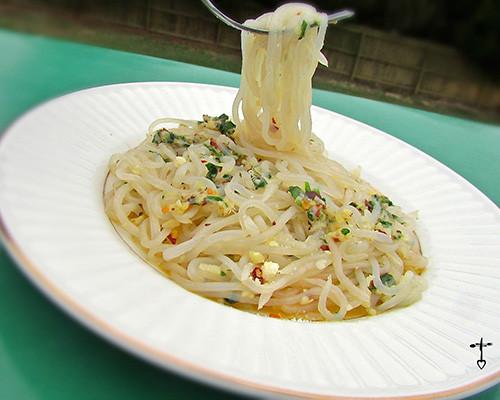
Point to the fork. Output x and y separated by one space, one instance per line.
332 18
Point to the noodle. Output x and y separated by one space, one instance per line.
252 213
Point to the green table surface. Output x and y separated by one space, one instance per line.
46 355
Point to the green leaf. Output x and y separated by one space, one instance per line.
164 158
157 138
385 200
213 150
398 235
171 138
310 215
214 198
388 280
307 187
213 170
259 182
295 191
303 28
345 231
227 127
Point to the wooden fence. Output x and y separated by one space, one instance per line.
356 54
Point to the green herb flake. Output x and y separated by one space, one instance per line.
310 214
295 191
307 187
213 170
227 128
213 150
385 200
385 224
259 182
345 231
164 158
214 198
398 235
222 273
303 28
388 280
157 138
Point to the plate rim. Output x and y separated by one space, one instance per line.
171 362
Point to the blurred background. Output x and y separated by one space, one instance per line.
434 54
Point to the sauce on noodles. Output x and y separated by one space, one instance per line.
252 213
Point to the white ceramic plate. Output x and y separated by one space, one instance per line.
53 162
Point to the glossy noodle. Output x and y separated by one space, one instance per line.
250 211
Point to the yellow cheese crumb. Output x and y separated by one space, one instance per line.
212 268
269 270
256 257
179 161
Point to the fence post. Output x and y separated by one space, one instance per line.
148 15
218 33
358 55
421 72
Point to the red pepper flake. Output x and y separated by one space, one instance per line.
172 239
274 223
256 274
275 124
203 161
325 247
277 316
214 143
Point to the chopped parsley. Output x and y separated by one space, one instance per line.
388 280
227 127
165 136
259 182
213 170
310 215
296 193
385 224
214 151
222 273
398 235
164 158
222 123
303 28
345 231
309 200
214 198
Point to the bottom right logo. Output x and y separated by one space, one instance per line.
481 363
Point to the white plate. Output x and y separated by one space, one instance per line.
52 166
